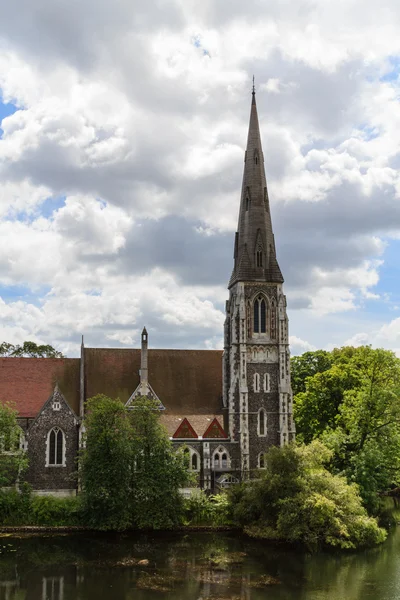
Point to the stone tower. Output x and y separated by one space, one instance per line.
257 391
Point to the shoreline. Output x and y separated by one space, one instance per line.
81 528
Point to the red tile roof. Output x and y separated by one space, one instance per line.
28 382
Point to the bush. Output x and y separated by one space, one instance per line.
297 500
52 511
21 508
201 509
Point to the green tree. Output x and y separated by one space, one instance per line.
13 459
298 500
158 471
307 365
29 349
354 407
105 464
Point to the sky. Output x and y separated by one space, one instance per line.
122 134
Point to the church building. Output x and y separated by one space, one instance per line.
226 407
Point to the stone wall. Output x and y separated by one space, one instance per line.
55 413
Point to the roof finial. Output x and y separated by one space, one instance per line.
254 89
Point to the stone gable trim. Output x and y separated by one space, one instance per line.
146 391
185 424
215 424
56 397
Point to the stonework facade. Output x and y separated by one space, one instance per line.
227 408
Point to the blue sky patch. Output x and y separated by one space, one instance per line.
394 69
6 109
13 293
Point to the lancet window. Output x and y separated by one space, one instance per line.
193 458
55 448
262 423
260 315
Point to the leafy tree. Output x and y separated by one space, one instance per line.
105 464
13 459
158 471
354 407
29 349
298 500
130 473
307 365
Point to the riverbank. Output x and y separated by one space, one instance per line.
6 529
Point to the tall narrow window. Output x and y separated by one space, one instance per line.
256 382
260 315
194 462
263 311
261 461
55 448
262 423
259 258
247 203
266 382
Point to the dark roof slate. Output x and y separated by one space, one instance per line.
186 381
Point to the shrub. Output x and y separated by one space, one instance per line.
296 499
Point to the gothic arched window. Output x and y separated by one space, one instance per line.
266 382
261 461
260 315
256 383
193 458
262 423
221 459
55 448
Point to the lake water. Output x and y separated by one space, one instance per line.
191 566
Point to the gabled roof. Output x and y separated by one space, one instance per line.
187 382
27 383
185 431
199 423
215 430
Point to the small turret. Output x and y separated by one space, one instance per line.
144 375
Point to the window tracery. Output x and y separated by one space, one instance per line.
260 315
55 448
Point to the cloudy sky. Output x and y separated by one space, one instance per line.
122 132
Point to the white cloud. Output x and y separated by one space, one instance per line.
138 119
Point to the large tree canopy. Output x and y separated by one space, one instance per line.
354 407
130 473
30 350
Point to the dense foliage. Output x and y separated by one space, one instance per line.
158 472
350 399
130 474
297 499
30 350
13 459
105 464
22 508
203 509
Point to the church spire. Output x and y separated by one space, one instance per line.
255 257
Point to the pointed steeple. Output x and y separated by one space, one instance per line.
255 256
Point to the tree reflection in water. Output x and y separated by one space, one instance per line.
189 566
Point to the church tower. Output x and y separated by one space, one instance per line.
257 391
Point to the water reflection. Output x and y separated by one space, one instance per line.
189 567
